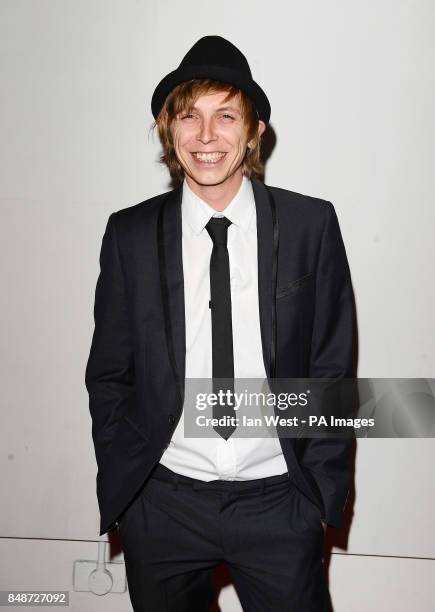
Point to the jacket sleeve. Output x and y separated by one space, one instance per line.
329 460
109 376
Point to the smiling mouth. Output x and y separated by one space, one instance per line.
209 158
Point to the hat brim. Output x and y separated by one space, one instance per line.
218 73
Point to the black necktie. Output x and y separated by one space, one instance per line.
222 332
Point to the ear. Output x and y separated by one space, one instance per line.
260 130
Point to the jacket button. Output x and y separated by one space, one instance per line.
171 419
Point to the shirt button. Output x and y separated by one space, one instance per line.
171 419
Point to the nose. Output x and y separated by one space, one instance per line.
206 131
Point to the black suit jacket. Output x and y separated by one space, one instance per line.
136 368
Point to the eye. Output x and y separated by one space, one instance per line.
187 116
226 115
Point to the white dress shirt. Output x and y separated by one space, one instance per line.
215 458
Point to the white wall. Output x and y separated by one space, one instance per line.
352 93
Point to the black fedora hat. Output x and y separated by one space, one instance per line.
213 57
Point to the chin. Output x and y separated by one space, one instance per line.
209 180
208 177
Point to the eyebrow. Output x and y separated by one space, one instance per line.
223 108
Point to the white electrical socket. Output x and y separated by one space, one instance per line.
84 569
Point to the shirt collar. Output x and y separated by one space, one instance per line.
239 211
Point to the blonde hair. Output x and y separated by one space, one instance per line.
182 98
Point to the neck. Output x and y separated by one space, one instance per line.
217 196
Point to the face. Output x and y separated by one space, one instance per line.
210 140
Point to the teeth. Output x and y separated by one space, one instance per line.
209 157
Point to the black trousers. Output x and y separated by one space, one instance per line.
178 529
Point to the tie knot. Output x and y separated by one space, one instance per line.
217 227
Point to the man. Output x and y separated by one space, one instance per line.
193 285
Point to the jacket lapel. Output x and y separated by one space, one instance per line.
169 232
266 253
